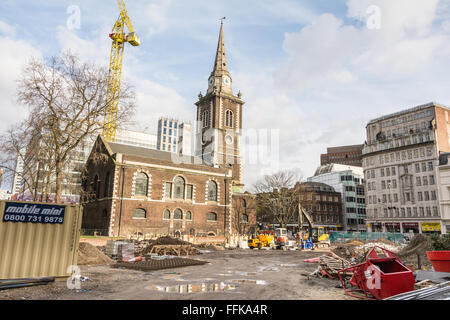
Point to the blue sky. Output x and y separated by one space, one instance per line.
311 69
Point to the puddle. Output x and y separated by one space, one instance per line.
198 287
247 273
261 282
268 268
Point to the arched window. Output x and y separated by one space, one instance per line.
177 214
229 118
211 216
107 184
179 188
244 218
244 203
212 191
141 184
189 215
205 119
96 186
166 215
139 213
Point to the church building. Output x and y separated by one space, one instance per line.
130 190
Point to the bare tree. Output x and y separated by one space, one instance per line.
276 197
242 208
67 105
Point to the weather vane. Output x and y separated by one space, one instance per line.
221 19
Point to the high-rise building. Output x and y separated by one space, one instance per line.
136 139
18 179
443 181
174 135
185 139
349 181
349 155
399 161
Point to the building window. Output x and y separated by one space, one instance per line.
166 214
189 189
418 181
244 203
425 181
431 180
97 186
189 215
168 190
211 216
139 213
419 196
177 214
244 218
107 184
229 118
435 211
141 184
212 191
179 188
205 119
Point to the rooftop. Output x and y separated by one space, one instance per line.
415 109
334 167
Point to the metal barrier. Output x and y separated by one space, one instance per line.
340 236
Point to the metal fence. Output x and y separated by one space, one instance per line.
340 236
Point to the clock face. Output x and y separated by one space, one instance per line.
228 139
226 81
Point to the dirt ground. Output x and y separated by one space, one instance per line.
230 274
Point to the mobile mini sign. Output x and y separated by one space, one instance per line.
33 213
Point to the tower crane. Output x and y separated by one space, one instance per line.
119 38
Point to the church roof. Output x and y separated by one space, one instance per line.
153 154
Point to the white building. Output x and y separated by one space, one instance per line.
136 139
400 161
18 179
174 136
443 181
5 195
349 181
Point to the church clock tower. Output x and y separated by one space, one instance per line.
219 118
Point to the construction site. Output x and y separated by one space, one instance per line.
169 268
146 227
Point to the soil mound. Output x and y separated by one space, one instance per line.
88 254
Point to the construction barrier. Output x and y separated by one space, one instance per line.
38 240
340 236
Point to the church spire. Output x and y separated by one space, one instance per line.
220 63
220 79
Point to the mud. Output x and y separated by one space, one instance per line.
255 275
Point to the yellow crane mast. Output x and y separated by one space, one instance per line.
119 38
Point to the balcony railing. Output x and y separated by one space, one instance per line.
384 143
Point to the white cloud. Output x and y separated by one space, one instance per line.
6 29
157 16
13 57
